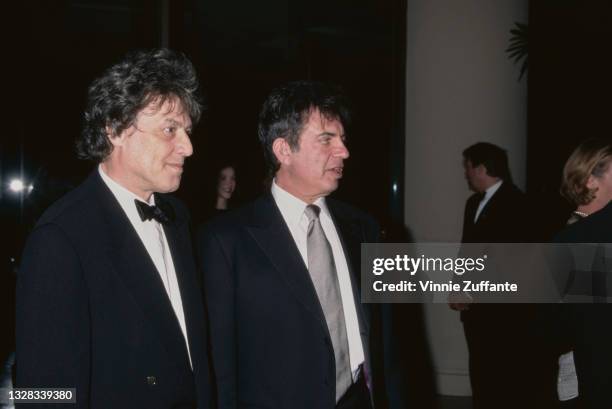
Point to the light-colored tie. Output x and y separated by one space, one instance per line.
325 279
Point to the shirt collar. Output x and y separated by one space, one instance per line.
492 189
291 207
124 196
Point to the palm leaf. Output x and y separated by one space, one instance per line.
519 47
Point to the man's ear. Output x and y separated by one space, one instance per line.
282 151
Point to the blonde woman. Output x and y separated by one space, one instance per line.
587 178
587 185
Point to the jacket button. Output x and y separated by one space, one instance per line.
151 380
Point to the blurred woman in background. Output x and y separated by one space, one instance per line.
587 185
587 178
226 185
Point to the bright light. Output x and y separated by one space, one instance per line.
30 188
16 185
395 188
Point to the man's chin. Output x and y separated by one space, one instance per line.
169 187
331 187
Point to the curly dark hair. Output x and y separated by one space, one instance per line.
115 99
288 108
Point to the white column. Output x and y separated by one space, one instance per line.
461 88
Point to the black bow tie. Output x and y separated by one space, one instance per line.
161 212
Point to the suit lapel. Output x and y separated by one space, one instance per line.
270 232
351 237
180 248
139 274
472 231
497 197
182 256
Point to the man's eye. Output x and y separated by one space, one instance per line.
170 130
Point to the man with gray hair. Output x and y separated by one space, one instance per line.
107 296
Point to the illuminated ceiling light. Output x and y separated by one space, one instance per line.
16 185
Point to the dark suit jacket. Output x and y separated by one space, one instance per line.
92 312
502 220
527 375
269 339
590 326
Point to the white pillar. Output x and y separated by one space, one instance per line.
461 88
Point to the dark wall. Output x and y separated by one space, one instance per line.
569 89
352 44
53 50
241 50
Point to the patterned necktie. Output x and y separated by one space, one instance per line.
325 279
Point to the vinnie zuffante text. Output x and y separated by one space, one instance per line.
455 265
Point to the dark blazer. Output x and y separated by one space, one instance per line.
501 221
93 314
269 339
589 325
526 377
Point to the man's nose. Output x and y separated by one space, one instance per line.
341 150
184 146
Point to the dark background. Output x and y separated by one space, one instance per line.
241 50
52 50
569 94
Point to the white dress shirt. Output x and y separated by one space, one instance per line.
488 194
152 235
292 210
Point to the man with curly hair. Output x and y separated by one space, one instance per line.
108 301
